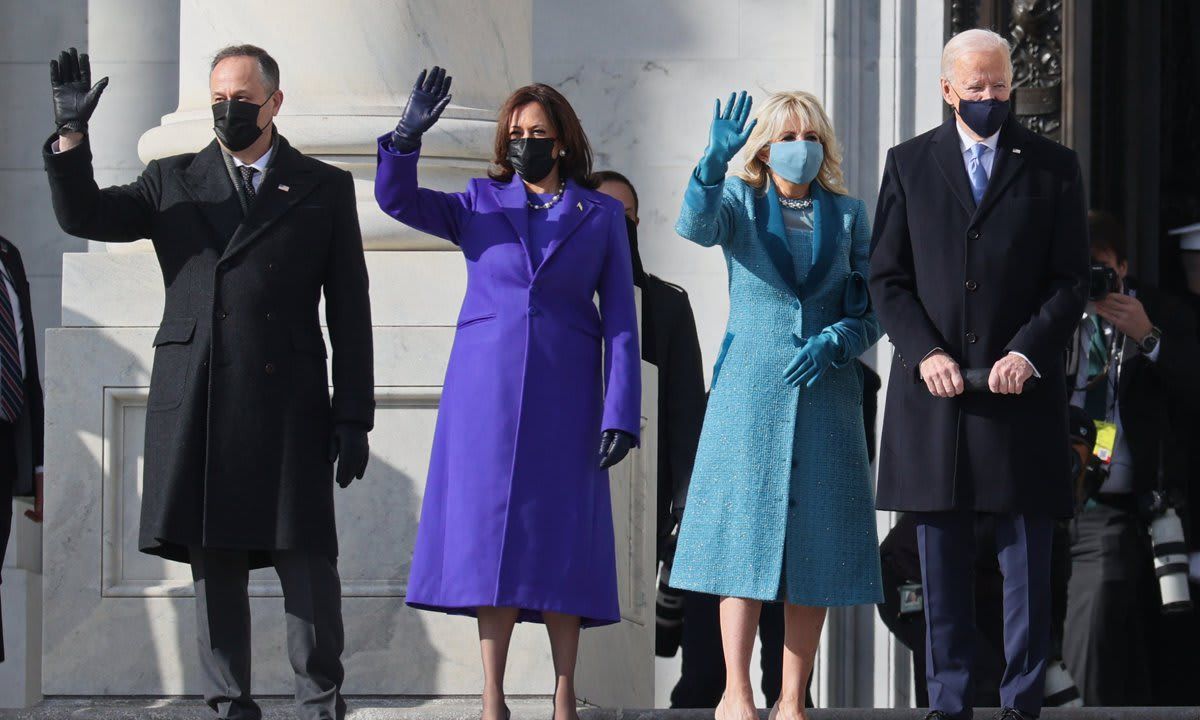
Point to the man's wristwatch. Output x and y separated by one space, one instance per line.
1148 344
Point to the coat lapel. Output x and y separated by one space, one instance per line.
576 206
273 200
827 226
207 182
769 218
948 153
512 200
1008 163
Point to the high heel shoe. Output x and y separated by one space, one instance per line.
507 713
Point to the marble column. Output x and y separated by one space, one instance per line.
127 44
121 623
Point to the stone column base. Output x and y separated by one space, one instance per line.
21 671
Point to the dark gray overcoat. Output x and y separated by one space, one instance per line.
239 415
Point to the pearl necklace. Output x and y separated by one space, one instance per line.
562 186
804 203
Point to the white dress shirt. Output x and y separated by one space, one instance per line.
260 165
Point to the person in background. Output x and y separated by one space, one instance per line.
780 507
669 341
21 409
979 261
1135 370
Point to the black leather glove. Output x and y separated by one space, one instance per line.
429 97
614 446
349 448
74 97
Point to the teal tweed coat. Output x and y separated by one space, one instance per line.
780 506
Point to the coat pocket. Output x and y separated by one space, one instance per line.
475 320
172 363
721 357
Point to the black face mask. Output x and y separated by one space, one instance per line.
639 273
984 117
236 123
532 158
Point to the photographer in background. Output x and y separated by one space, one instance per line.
1134 367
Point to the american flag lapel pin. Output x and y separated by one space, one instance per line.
284 188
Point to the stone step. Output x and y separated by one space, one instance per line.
467 708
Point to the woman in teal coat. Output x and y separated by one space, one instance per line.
780 507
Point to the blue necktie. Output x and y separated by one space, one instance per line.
979 176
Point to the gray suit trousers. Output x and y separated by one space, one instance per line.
312 599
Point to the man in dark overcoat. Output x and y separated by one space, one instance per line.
979 261
241 432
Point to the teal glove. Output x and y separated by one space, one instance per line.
812 359
725 138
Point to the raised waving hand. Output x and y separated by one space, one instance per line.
726 136
429 97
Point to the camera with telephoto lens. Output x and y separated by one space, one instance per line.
1102 280
1170 555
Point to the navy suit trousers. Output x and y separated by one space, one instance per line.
947 545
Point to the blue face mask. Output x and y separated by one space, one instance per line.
797 161
984 117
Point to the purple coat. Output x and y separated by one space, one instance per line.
516 511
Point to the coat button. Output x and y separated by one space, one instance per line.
223 314
533 311
791 502
972 338
270 266
972 285
973 234
269 369
270 315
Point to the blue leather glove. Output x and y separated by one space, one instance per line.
812 359
429 97
726 136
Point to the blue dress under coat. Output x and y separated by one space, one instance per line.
780 506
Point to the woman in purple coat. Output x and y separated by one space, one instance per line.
517 522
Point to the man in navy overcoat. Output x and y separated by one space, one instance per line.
979 261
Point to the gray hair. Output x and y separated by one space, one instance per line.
267 67
976 40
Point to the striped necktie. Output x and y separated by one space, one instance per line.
12 386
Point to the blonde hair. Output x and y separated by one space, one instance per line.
772 115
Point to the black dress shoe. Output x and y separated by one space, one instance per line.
937 715
1014 714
